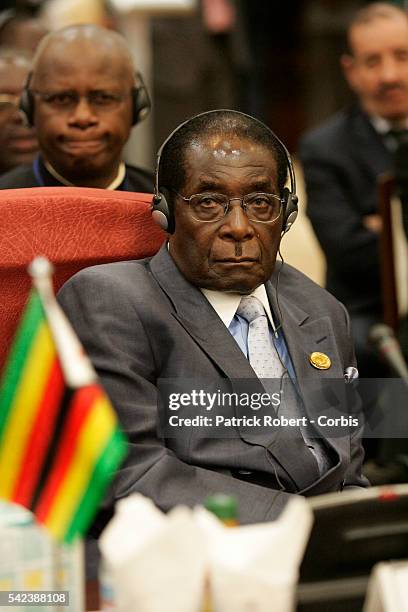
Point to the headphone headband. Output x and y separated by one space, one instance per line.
160 209
292 177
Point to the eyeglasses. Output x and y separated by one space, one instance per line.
8 102
67 100
209 207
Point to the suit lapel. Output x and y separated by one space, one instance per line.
193 311
376 158
304 335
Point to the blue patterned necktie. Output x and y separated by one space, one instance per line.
262 354
266 363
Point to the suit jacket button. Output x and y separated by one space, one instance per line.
244 472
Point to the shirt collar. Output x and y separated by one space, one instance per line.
111 187
383 126
226 304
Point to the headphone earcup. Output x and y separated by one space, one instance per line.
26 104
290 209
141 104
161 212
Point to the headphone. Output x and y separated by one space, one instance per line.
161 211
141 104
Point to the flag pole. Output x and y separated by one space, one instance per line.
76 366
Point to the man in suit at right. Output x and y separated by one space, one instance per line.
343 158
18 142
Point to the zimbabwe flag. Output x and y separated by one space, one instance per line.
59 438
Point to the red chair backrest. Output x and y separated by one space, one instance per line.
74 227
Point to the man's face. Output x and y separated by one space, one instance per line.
83 110
233 254
18 144
378 69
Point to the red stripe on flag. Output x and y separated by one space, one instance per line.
81 404
40 437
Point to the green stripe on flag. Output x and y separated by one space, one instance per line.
111 457
26 332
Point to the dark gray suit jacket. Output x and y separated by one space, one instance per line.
342 160
141 321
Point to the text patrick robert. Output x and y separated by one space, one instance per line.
266 420
254 401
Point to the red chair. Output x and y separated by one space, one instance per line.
74 227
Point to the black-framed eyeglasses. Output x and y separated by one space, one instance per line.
98 99
258 206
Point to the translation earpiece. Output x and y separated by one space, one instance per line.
161 212
141 103
26 104
290 201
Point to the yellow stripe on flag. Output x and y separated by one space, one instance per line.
94 435
28 396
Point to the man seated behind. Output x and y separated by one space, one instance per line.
18 143
83 97
184 314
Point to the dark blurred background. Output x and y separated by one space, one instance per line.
276 60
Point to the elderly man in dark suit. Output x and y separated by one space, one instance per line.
343 158
209 307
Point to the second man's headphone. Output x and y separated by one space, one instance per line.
161 211
140 100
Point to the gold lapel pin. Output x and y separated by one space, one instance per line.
320 361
